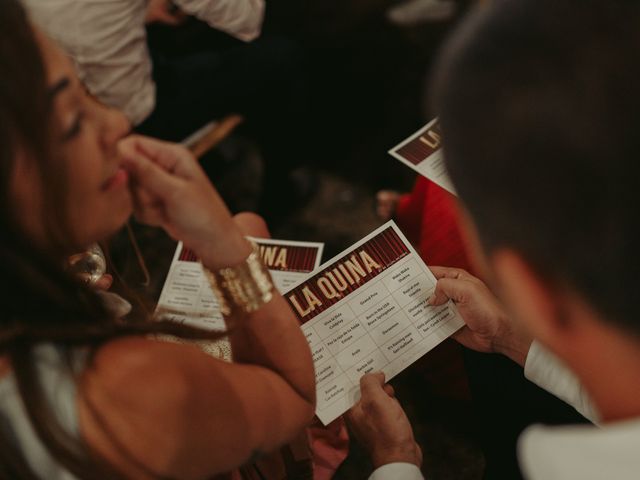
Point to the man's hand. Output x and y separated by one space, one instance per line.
164 11
488 328
380 424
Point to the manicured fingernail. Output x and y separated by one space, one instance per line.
431 299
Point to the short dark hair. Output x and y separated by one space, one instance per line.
539 102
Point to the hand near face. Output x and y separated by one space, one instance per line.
163 11
380 424
488 328
172 191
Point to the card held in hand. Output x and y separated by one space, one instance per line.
366 310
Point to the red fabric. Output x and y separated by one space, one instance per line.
330 447
429 218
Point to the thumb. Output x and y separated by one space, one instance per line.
372 386
449 289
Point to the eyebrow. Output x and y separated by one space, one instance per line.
58 87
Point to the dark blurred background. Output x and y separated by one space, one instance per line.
365 83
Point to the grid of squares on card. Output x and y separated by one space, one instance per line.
367 310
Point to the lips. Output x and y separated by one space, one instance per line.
118 179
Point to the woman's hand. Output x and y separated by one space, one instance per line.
171 191
164 11
488 328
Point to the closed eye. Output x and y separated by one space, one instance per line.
75 128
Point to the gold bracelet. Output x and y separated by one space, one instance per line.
245 287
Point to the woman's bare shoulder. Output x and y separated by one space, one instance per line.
138 390
131 360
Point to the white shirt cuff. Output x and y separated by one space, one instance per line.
548 372
397 471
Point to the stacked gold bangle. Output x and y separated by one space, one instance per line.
242 288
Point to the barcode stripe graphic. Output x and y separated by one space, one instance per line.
416 151
187 255
299 259
386 249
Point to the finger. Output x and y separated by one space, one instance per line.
389 390
151 217
349 414
440 272
149 176
148 212
352 415
371 386
172 157
146 208
142 198
127 146
144 201
449 272
450 289
372 380
150 148
104 282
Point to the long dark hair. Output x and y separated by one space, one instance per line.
39 301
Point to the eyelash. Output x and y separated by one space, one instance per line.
76 128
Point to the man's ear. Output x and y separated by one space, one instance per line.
536 304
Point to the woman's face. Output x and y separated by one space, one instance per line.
85 137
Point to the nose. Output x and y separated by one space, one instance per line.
116 126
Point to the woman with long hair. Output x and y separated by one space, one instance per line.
84 394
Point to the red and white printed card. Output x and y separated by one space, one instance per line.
422 152
187 297
289 262
366 310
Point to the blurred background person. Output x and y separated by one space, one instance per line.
202 60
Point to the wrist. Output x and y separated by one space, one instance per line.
512 343
231 250
407 454
242 288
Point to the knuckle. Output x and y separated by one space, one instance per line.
460 273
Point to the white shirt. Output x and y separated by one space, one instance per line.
577 452
581 452
107 41
397 471
548 372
